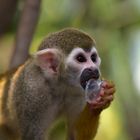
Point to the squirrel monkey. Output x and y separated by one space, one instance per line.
50 84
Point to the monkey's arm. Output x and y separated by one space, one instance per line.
87 122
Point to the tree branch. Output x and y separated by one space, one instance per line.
25 32
7 12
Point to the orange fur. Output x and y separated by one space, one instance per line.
86 124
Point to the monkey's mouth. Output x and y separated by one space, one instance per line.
84 80
88 74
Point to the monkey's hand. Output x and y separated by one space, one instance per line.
105 97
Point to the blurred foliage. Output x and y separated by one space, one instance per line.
115 24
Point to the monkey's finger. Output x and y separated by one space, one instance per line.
110 91
104 96
102 93
101 105
109 98
96 101
103 100
108 84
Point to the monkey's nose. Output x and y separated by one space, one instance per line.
93 73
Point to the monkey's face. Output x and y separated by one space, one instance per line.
82 65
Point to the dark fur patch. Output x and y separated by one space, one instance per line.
87 49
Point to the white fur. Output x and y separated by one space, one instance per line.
71 58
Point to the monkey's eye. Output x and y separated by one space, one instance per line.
81 58
94 57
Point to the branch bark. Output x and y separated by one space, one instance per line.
7 12
26 28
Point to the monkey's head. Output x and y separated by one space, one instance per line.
71 54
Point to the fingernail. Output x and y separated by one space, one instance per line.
98 99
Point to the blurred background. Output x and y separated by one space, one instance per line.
115 25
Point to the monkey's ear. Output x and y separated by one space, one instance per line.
48 60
